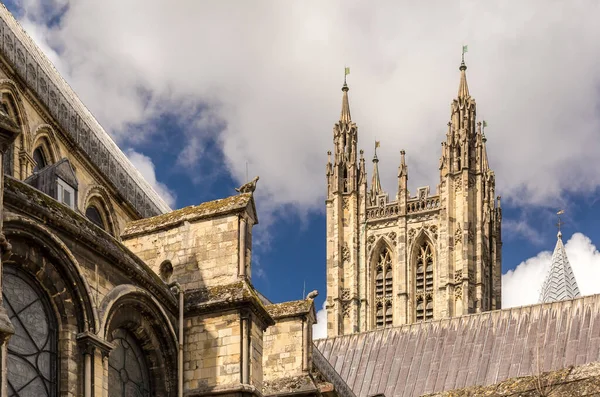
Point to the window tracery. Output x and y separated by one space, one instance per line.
32 350
384 282
127 370
424 282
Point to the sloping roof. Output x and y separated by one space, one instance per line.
560 283
478 349
40 75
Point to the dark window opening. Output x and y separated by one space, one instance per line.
39 158
93 215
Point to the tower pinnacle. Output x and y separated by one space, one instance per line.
560 283
345 116
463 88
375 182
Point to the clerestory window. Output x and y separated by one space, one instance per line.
383 289
424 282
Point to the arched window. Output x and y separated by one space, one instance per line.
383 289
424 282
127 370
32 350
93 215
40 159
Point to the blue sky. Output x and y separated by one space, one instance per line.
194 93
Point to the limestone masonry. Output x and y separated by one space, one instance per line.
106 292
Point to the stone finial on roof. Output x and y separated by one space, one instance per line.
249 187
312 294
560 283
345 114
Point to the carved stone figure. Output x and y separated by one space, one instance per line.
249 187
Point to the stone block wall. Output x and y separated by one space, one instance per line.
283 349
203 253
212 351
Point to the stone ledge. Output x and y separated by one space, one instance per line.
224 390
583 380
210 209
302 384
291 308
225 297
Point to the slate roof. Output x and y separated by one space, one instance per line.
477 349
560 283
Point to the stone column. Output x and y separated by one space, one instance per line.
242 248
9 131
89 343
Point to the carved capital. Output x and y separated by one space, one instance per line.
89 341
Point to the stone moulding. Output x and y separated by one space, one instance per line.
61 102
210 209
238 295
24 199
292 309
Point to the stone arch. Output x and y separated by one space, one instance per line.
10 95
136 311
45 137
17 227
382 265
98 197
41 255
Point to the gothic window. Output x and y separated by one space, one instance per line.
127 370
32 350
458 157
424 282
40 159
383 289
345 180
93 215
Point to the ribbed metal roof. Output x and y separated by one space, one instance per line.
479 349
560 283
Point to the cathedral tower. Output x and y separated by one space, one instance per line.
419 257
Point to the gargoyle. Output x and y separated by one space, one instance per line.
248 187
312 295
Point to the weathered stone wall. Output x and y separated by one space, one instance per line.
203 253
212 351
39 129
283 349
580 381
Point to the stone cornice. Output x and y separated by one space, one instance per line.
42 78
210 209
29 202
237 295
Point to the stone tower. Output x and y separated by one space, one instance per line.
418 257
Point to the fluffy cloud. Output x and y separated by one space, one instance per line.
522 286
320 328
145 166
269 73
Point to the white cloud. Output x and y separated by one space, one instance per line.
270 72
145 166
320 328
522 286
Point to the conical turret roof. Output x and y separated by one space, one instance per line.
560 283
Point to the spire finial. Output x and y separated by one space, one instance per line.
483 125
463 88
377 144
465 48
559 223
345 116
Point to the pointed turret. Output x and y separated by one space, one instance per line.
463 88
345 115
375 182
560 283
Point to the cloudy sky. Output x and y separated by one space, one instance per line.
197 93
